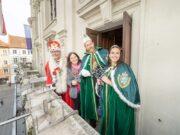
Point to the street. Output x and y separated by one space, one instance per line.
7 108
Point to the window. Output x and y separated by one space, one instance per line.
5 62
15 60
24 51
15 70
29 52
4 52
14 51
53 9
24 60
50 12
6 71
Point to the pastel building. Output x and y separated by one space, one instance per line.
13 53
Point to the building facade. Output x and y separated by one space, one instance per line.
146 30
4 62
12 54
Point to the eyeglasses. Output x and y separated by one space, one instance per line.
55 51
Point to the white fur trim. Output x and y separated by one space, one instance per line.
88 57
107 70
96 89
120 94
100 57
84 64
52 66
60 81
85 73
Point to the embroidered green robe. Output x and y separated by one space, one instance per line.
87 93
119 102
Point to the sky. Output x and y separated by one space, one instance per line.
16 13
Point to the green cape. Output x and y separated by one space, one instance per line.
125 85
87 93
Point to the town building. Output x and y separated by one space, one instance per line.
13 53
4 62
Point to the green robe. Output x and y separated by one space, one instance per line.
87 93
118 108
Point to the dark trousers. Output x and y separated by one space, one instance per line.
92 122
77 103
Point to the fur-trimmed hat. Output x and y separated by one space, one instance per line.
86 38
54 45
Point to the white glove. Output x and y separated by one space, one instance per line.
52 87
85 73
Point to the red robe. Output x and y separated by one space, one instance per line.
49 82
48 75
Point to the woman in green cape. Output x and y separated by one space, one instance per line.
120 97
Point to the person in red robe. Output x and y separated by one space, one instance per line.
56 72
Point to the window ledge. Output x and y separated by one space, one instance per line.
50 24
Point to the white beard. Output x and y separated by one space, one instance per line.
59 80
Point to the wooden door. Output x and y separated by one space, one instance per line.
108 39
127 26
94 35
105 40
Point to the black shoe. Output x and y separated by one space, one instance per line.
92 122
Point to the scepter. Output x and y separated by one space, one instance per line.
98 73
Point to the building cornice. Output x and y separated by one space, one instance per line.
49 35
35 5
104 12
31 19
87 6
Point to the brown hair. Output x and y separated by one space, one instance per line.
68 59
121 54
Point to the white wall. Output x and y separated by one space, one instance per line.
69 22
160 67
79 29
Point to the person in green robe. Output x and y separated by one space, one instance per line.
120 97
95 57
